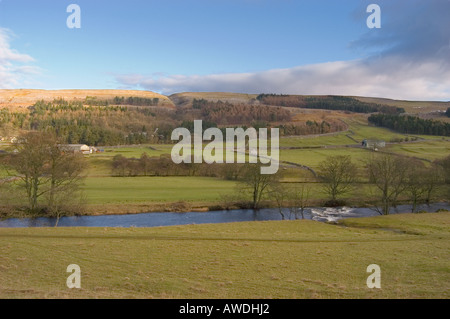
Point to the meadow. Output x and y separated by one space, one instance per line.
279 259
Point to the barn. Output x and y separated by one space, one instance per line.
373 144
76 148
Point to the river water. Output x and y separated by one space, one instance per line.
224 216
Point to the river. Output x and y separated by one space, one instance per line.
223 216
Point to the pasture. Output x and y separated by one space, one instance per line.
280 259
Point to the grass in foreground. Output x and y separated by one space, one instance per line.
285 259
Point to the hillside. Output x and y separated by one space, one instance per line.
22 98
16 99
185 99
421 108
415 107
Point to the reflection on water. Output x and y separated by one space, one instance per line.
225 216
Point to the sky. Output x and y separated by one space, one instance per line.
245 46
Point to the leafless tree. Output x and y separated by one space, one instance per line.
389 175
280 194
338 174
49 175
300 200
255 183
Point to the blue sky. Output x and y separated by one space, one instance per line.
252 46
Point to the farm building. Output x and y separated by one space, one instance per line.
373 144
76 148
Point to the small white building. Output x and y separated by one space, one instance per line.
373 144
76 148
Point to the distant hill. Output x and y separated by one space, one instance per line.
414 107
24 98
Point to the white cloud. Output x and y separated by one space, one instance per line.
410 60
14 66
390 78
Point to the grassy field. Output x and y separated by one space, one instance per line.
284 259
126 190
134 151
430 150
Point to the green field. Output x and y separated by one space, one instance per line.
429 150
313 157
284 259
134 151
125 190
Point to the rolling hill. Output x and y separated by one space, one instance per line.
23 98
415 107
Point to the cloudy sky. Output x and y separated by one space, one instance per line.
244 46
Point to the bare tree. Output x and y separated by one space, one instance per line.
444 163
65 170
29 166
300 200
280 193
389 174
433 180
296 199
255 183
144 164
417 184
338 174
423 183
46 172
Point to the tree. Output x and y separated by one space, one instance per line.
49 176
144 164
417 184
255 183
444 165
432 178
120 165
29 165
65 170
280 193
300 200
389 175
338 174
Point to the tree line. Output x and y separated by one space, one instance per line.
132 100
341 103
312 127
164 166
410 124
